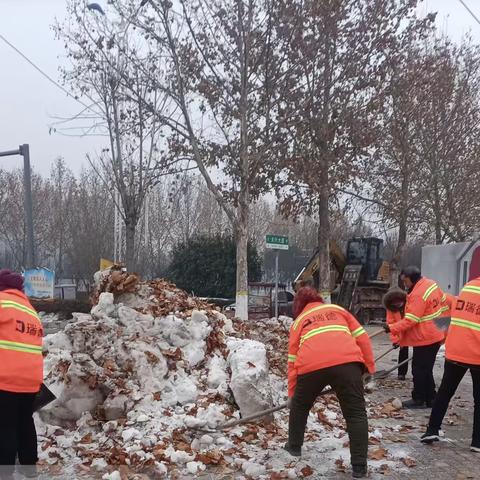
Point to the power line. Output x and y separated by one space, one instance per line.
470 11
48 77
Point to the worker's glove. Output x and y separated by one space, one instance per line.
289 402
386 327
396 345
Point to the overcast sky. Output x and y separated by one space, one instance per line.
28 101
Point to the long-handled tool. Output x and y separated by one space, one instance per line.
378 332
264 413
385 373
386 353
249 418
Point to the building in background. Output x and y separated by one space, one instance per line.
452 265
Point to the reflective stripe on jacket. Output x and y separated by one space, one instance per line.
322 336
21 333
463 338
424 304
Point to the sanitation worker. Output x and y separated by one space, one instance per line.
425 303
328 346
462 353
21 375
394 302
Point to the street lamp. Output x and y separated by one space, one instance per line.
24 150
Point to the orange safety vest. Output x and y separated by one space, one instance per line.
322 336
424 303
21 333
463 337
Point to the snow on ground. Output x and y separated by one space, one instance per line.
143 381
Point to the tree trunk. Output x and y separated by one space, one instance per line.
130 228
402 232
241 297
398 255
324 238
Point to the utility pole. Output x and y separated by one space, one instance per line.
24 151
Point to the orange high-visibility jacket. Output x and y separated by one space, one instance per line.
21 333
394 317
449 301
424 303
322 336
463 338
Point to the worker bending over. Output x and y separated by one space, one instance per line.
328 347
394 302
425 303
462 353
21 374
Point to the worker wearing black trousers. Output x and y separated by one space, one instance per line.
402 369
422 370
347 382
452 376
18 433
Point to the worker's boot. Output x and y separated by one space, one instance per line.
294 451
414 404
430 436
475 447
359 471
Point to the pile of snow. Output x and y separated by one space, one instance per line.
143 381
130 384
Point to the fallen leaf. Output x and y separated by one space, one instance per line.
409 462
384 469
86 439
306 471
377 454
341 467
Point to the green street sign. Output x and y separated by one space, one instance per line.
277 242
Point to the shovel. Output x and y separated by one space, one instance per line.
254 416
43 398
381 374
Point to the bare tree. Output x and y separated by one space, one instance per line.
224 62
129 110
340 53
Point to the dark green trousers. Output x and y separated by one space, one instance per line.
347 382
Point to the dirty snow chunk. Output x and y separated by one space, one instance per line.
250 381
178 456
130 433
99 464
112 476
58 341
192 422
142 418
397 403
206 440
194 353
253 470
115 407
105 306
199 317
217 374
161 468
195 467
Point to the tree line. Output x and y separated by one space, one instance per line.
328 104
